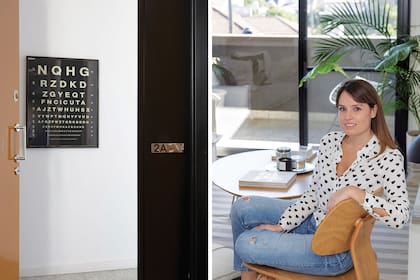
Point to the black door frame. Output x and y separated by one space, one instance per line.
173 102
200 137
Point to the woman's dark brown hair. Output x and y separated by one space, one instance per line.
363 92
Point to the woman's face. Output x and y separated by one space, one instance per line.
355 118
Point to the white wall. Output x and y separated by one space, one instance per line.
79 205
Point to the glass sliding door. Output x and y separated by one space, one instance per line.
255 74
256 59
255 62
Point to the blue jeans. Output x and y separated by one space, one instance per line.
288 251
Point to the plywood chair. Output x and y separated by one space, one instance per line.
346 227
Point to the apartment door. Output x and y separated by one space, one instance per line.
173 140
9 139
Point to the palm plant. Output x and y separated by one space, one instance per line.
365 28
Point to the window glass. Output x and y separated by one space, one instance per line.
255 73
322 111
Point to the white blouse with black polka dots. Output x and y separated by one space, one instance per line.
367 172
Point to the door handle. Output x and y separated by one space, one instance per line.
21 130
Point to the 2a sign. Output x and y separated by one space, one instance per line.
167 148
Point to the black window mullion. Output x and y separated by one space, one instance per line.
302 68
401 116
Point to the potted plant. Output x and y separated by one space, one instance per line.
348 28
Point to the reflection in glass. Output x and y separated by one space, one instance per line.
255 73
356 64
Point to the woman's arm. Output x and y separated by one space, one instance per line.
395 199
356 194
393 208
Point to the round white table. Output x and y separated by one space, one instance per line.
228 170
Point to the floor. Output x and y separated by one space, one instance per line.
122 274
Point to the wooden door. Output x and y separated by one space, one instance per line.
164 107
173 143
9 139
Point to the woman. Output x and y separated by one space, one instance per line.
355 163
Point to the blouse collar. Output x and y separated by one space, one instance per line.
370 150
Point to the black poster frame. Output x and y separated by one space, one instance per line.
62 102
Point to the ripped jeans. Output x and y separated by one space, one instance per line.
288 251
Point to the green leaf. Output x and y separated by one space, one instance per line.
324 67
396 54
364 28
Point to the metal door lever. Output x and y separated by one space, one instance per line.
21 129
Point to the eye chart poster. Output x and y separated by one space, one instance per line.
62 97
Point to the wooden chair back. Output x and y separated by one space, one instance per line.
364 257
335 231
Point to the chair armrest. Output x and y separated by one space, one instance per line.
334 233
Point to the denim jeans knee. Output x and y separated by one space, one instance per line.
291 251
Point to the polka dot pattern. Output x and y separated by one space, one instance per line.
368 172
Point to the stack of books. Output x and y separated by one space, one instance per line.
267 180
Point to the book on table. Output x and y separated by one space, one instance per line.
267 179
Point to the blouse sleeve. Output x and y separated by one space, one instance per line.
395 197
296 213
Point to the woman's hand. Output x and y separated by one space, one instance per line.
277 228
345 193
